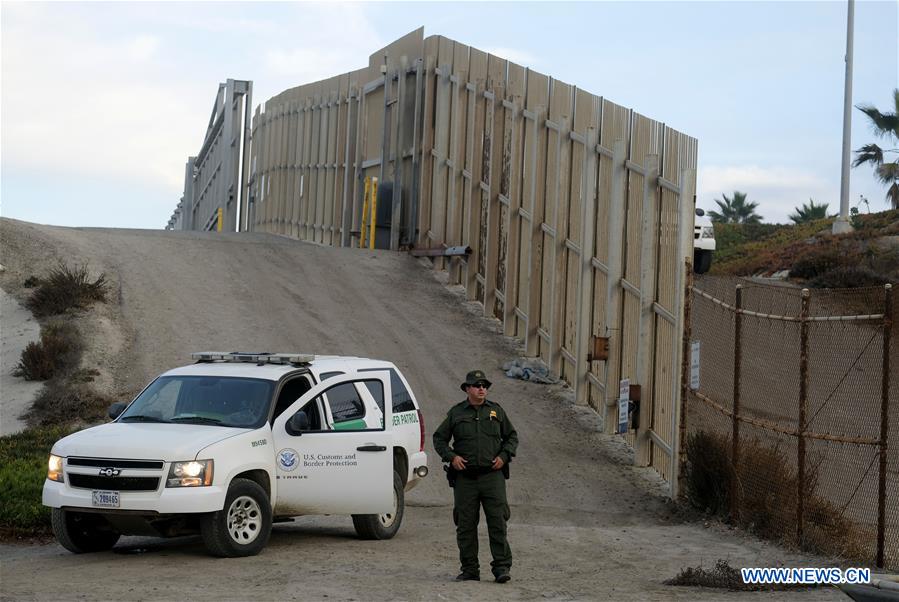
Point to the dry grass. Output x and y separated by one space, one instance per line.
67 402
723 576
56 353
768 487
66 288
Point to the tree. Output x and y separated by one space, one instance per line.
884 125
809 212
735 210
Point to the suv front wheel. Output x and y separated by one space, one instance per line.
383 526
243 526
81 532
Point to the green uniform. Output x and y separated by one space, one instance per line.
479 434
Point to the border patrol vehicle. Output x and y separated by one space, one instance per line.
236 441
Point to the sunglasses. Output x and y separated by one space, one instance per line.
481 385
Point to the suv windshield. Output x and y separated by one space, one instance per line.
213 400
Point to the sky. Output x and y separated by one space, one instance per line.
102 103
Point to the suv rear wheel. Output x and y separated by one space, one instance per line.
702 260
383 526
243 526
81 532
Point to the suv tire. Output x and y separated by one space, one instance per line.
243 526
702 261
81 532
383 526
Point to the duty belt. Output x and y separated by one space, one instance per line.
473 471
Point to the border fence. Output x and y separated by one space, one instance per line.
794 398
214 179
577 211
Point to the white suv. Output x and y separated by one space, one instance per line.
236 441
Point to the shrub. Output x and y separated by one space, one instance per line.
723 576
812 265
23 468
57 352
66 288
66 403
708 472
848 277
768 486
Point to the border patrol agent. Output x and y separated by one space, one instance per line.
483 443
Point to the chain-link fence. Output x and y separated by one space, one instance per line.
788 427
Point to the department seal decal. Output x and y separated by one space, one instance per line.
288 460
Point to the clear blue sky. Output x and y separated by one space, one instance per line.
102 103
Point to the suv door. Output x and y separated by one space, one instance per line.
330 471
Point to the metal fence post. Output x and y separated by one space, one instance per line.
685 372
884 421
735 434
803 411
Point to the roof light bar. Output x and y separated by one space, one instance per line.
255 358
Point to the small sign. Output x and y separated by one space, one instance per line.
622 416
694 365
624 393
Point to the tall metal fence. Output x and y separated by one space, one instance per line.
214 179
578 212
798 388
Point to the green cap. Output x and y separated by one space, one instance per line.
475 376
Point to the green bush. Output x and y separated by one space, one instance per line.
57 352
66 288
813 265
23 469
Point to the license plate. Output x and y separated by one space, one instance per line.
105 499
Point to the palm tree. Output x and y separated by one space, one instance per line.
885 125
736 210
809 212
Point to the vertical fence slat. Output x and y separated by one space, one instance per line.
613 282
585 281
646 339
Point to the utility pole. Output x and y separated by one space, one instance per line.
842 225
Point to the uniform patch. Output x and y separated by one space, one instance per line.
288 460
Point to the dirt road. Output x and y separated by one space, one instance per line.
585 525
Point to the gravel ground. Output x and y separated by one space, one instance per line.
585 524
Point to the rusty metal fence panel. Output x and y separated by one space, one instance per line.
797 386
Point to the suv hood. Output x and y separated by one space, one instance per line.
144 441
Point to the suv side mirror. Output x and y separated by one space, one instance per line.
700 212
298 423
116 409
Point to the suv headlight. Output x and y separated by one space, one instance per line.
190 473
54 469
708 232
